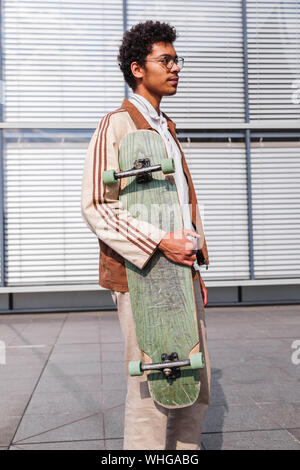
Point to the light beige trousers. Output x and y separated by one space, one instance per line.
149 426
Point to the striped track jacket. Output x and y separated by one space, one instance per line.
120 235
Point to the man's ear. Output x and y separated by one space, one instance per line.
137 70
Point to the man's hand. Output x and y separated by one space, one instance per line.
203 291
178 248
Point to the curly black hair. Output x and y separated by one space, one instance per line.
137 44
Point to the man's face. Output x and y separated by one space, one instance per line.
156 77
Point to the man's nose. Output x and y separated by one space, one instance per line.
175 68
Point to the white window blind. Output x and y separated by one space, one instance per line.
47 240
274 59
276 209
211 87
60 64
60 60
219 174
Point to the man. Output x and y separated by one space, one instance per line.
151 68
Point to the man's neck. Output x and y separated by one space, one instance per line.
153 99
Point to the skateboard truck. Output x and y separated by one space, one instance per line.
142 170
170 365
144 163
169 372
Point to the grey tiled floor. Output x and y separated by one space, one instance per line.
63 385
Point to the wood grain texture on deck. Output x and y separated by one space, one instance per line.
161 294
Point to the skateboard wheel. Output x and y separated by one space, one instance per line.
108 177
167 166
134 368
197 361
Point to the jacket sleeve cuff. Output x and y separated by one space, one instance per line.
143 258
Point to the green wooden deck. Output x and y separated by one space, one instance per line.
161 294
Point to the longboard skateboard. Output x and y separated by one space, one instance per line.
162 293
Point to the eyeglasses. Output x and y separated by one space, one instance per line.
168 61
